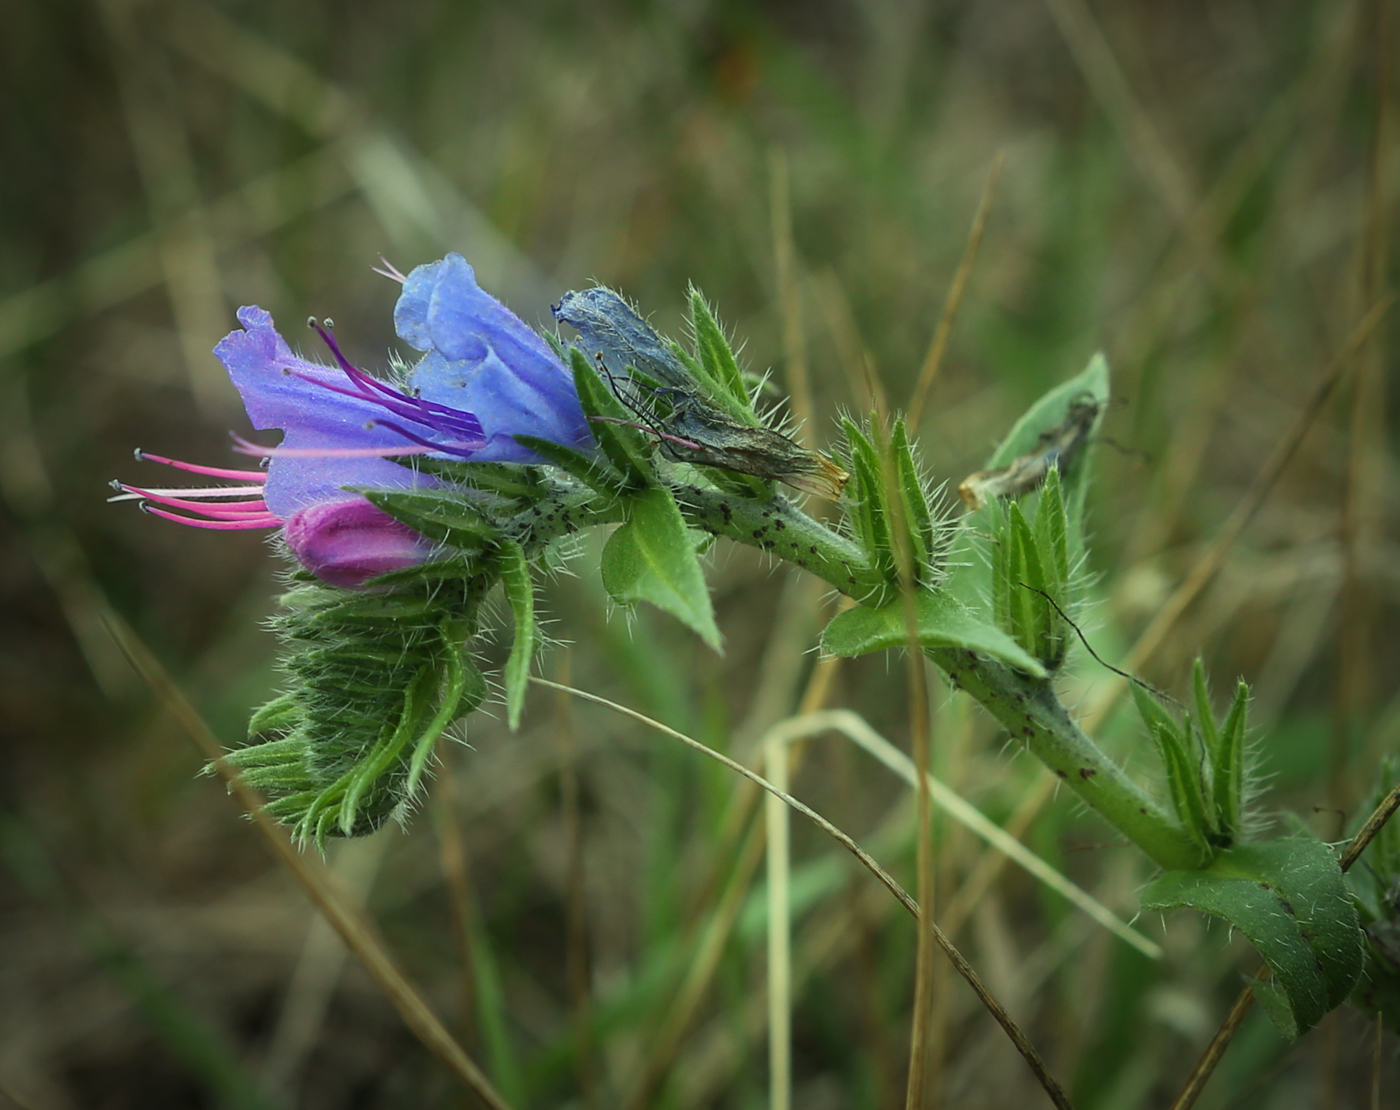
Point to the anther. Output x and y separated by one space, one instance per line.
138 455
328 323
115 484
311 322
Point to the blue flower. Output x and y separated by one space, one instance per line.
483 359
485 378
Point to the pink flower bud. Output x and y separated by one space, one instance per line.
348 542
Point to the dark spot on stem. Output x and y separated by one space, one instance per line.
1086 773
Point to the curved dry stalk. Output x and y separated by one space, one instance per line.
353 929
1013 1031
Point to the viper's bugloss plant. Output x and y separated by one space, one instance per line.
406 500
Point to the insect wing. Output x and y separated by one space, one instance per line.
612 332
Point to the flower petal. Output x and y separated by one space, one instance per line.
349 541
484 359
281 390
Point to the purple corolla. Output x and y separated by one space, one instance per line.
485 378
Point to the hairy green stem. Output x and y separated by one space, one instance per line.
782 529
1028 708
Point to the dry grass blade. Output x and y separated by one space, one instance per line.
1209 563
1201 1073
856 729
938 346
797 371
1140 135
779 933
741 847
1013 1031
353 929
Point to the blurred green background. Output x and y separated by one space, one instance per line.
1204 190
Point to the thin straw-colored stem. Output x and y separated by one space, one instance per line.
938 346
1214 557
779 933
1013 1031
353 929
795 364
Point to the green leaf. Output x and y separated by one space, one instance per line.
520 594
716 357
281 712
1228 763
515 481
441 515
1289 898
625 446
596 474
970 581
651 557
916 511
1030 607
943 622
1051 534
1184 783
1050 409
870 513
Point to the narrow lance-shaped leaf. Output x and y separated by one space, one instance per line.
438 514
596 474
1031 607
625 447
281 712
871 507
1228 764
1205 716
651 558
520 595
943 622
917 516
1051 530
1183 776
714 351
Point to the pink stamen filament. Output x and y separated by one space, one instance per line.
209 471
214 511
245 524
390 271
243 447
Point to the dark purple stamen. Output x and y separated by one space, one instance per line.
466 451
439 416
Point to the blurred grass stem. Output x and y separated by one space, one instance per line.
1210 562
353 929
1013 1031
938 345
